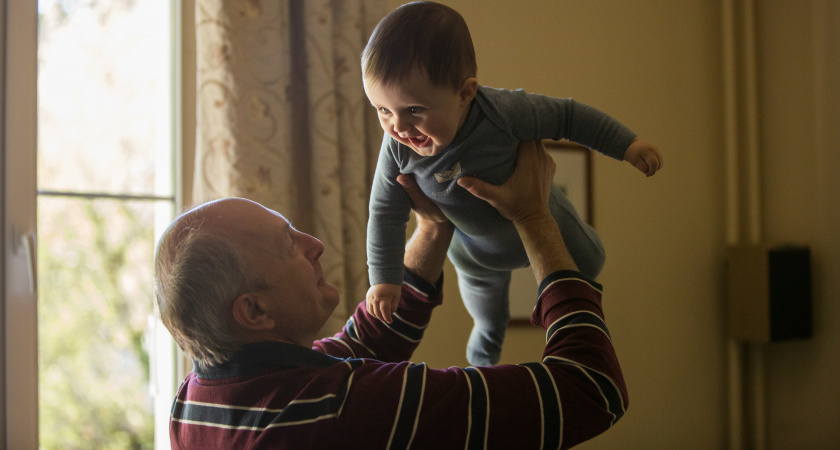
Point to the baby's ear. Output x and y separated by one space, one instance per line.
468 90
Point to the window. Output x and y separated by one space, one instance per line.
106 187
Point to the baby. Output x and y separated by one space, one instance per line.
419 72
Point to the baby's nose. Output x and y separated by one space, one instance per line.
401 125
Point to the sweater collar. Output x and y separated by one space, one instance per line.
257 356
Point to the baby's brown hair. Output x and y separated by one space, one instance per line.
425 35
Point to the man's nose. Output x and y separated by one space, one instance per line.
315 248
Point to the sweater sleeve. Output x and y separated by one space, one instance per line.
365 336
389 210
575 393
534 116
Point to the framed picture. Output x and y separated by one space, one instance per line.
574 176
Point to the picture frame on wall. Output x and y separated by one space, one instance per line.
574 176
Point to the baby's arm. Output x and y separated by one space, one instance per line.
531 116
644 156
382 300
389 213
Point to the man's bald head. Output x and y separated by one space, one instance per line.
201 266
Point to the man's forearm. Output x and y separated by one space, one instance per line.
425 251
544 246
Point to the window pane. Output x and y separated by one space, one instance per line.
103 88
104 127
94 303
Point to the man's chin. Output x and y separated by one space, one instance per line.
330 293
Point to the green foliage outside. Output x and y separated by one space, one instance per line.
99 103
94 301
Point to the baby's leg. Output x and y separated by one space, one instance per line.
580 238
485 295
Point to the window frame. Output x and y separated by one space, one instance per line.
19 136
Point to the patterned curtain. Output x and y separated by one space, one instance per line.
283 120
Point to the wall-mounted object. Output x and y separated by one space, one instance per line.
769 293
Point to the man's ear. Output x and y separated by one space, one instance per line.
467 90
249 313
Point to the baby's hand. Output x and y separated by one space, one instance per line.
645 156
382 300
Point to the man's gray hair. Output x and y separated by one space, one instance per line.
198 275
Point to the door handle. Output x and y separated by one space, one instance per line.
24 245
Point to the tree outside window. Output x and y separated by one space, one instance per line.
102 95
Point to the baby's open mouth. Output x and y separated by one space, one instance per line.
420 141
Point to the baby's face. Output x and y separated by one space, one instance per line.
418 114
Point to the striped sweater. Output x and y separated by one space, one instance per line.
356 390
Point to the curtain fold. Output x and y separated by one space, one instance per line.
282 119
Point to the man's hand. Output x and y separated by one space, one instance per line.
383 300
525 194
644 156
425 252
423 208
523 199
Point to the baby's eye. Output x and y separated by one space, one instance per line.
415 110
383 110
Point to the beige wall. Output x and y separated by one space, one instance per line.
656 65
800 117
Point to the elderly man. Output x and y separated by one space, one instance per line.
243 293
